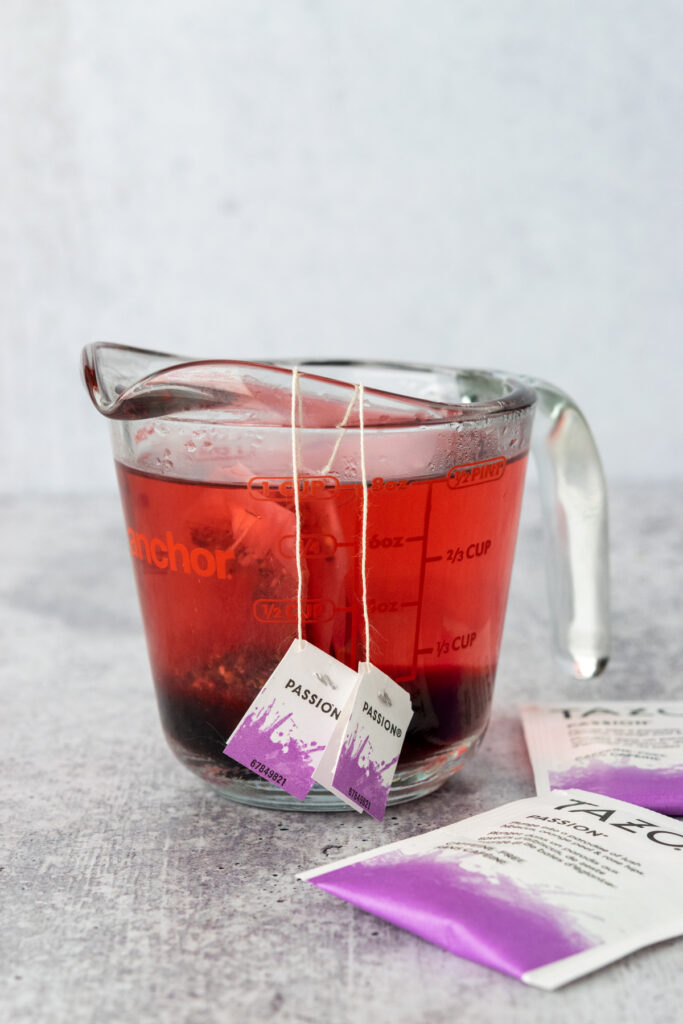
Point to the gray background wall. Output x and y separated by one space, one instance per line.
492 184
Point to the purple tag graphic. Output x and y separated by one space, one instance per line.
265 744
365 780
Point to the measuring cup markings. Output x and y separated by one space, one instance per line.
421 583
394 614
475 473
380 607
286 610
477 549
325 545
281 488
458 561
321 546
443 656
313 545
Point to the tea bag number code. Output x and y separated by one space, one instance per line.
262 769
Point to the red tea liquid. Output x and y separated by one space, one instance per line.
216 573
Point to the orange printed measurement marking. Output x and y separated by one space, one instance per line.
421 581
313 545
376 542
285 610
380 484
477 549
281 488
476 473
456 643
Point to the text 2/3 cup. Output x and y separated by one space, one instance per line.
203 456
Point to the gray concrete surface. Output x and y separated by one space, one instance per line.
132 893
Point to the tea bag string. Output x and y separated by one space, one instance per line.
297 510
366 666
364 521
341 426
358 392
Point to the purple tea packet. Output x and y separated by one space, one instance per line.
545 889
623 749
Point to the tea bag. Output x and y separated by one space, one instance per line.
361 757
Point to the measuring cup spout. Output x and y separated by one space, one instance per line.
574 498
133 384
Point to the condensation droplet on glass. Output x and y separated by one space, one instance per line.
164 462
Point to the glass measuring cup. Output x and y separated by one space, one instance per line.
203 457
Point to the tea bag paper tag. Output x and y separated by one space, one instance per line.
324 772
361 758
283 734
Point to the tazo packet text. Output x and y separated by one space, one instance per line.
545 889
628 750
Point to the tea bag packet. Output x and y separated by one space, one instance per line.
360 760
284 732
546 889
629 750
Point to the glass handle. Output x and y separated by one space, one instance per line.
574 498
